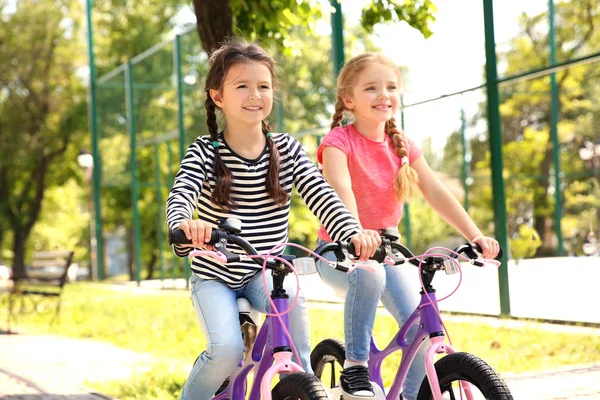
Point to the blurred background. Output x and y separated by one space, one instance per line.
99 99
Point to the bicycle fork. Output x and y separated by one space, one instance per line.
433 324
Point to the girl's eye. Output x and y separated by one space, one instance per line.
370 88
265 87
392 88
241 87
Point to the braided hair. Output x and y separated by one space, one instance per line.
231 53
406 178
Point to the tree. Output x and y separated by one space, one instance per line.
42 110
274 19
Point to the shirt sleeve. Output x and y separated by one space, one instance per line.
337 138
414 150
183 198
320 197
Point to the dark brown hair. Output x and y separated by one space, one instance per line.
238 52
406 178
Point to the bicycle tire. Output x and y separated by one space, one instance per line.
466 367
299 386
328 351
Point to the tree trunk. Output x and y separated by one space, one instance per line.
150 267
18 264
214 22
1 244
541 200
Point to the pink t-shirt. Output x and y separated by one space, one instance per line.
373 167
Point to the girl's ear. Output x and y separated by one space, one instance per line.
348 102
215 95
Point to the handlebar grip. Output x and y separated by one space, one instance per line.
177 236
498 257
379 254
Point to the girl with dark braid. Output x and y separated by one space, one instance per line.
374 168
245 172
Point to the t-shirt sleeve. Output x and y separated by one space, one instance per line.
337 138
414 150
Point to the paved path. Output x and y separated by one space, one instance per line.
47 367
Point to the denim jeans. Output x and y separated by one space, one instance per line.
217 312
397 288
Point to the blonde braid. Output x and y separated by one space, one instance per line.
406 178
338 117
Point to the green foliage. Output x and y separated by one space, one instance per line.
64 220
426 226
418 14
272 21
525 243
42 110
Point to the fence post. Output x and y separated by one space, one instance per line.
161 221
97 171
135 190
337 37
554 114
495 132
465 162
406 212
180 118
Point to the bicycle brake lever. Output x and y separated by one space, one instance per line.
217 255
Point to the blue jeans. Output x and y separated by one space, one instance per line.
363 290
217 312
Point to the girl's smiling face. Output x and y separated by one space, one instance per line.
246 96
375 94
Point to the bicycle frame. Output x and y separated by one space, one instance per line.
429 325
270 337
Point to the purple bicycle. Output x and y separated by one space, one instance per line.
271 353
456 375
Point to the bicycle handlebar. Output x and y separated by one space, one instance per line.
219 238
343 250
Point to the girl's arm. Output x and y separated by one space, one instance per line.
335 170
183 198
448 207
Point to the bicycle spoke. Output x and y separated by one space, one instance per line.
332 374
451 392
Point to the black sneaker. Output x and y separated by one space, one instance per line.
355 384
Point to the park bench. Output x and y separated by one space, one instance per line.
40 288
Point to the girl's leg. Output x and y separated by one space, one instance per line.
400 298
217 312
363 290
299 325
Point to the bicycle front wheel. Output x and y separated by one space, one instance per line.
326 359
464 367
299 386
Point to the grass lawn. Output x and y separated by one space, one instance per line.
163 324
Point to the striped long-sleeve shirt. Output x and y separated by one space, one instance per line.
264 223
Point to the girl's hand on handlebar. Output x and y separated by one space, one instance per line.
197 231
489 246
366 243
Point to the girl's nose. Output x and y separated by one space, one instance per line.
254 95
383 95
